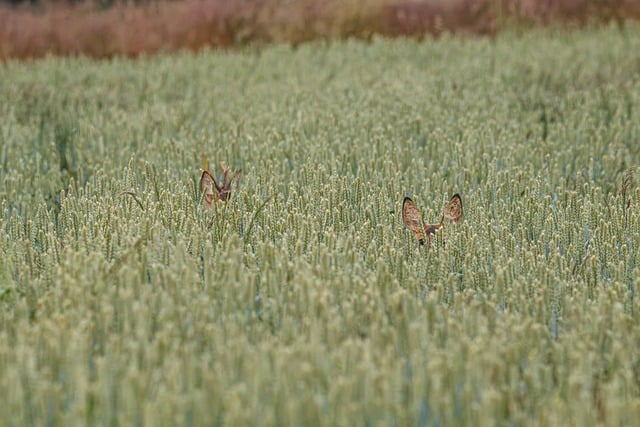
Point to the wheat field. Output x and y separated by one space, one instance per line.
303 300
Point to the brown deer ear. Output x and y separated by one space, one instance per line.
454 211
412 218
207 185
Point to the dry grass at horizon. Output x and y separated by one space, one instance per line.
127 30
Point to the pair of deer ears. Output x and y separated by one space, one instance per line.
412 217
212 190
453 211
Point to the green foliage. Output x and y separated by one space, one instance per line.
303 301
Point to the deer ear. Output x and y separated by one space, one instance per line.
412 218
207 184
454 211
206 181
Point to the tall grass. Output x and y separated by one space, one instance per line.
303 300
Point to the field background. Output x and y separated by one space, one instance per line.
304 301
107 28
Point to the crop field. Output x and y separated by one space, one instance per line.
303 299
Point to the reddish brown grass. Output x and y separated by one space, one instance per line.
61 29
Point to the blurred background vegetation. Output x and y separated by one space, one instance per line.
106 28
